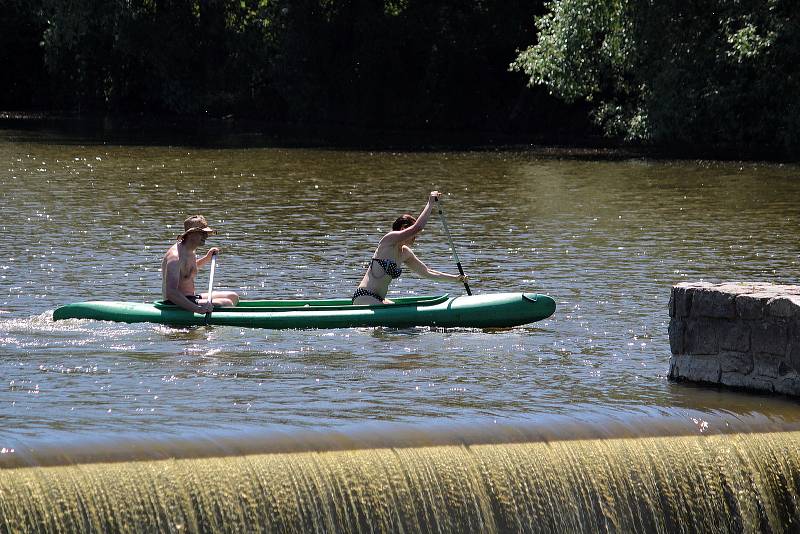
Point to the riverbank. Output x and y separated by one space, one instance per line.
236 132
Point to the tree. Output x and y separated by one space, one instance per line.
718 73
21 56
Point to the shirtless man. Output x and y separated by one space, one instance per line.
179 270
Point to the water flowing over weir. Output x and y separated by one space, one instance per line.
736 482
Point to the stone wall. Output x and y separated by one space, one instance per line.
743 335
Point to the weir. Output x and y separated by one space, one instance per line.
744 335
735 482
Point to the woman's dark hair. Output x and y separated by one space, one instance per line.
403 222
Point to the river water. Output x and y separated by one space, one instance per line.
87 220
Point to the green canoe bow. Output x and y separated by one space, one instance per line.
494 310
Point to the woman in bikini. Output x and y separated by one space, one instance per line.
393 250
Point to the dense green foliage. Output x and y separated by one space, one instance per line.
403 64
721 73
174 56
718 73
21 27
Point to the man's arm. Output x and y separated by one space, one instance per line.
205 259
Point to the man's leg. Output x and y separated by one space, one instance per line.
222 298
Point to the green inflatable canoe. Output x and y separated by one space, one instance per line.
494 310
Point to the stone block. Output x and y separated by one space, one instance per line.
714 304
700 337
736 362
735 288
785 306
738 380
680 301
750 307
744 335
694 368
769 336
677 330
793 357
734 335
694 285
793 345
769 365
789 385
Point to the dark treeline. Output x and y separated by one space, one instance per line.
382 64
712 74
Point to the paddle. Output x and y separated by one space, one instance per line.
452 246
211 283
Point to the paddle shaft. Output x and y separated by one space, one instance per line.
211 283
452 246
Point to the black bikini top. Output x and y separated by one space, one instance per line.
389 267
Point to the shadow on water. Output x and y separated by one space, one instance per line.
228 133
207 132
184 333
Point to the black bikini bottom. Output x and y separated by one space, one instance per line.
193 298
361 291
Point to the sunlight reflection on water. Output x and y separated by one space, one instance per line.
605 239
